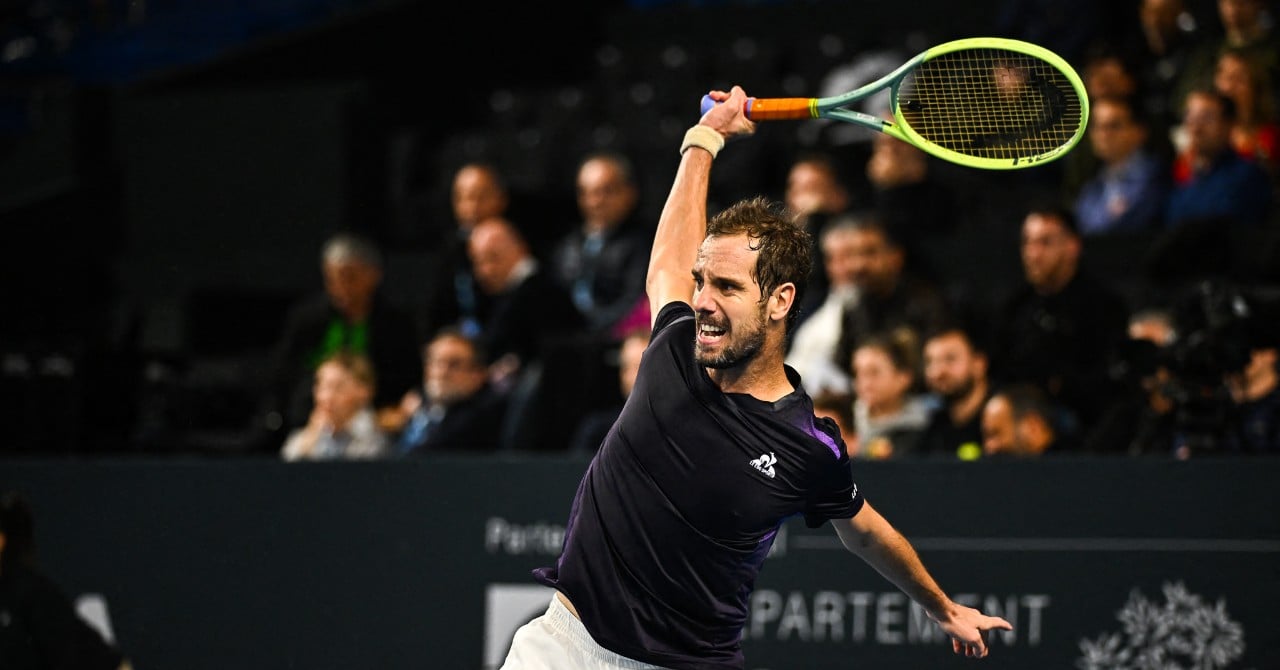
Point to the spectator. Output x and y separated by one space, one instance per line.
1127 194
1141 419
602 263
349 315
1058 328
595 425
342 423
906 195
1247 27
814 346
1211 180
526 306
889 296
1017 422
815 194
478 193
1255 134
39 627
1164 41
456 409
889 419
955 369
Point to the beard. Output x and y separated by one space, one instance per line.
743 345
959 392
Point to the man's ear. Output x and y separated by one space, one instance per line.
782 301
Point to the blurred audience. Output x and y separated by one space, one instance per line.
814 345
1255 135
603 262
889 296
1058 328
1211 180
1017 422
595 425
478 193
1127 194
889 418
838 406
349 315
456 409
815 193
955 370
342 423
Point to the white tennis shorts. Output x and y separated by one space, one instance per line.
557 640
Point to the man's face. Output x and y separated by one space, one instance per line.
812 188
494 253
1113 133
1208 130
476 196
604 196
338 394
951 367
839 250
874 265
730 314
350 285
1049 253
452 374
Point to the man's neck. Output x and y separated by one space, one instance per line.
963 410
763 377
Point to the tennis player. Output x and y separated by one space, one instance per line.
716 446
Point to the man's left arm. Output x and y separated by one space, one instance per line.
870 536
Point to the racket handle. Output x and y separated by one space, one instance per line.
772 109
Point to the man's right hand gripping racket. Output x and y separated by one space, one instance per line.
983 102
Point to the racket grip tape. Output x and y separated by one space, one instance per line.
773 109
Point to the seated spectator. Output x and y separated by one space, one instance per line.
595 425
1058 328
478 192
906 195
888 418
1255 135
1128 192
1211 180
342 424
349 315
456 409
814 344
526 306
1162 42
39 626
955 369
602 263
889 296
815 194
1017 422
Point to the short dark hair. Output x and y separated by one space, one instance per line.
1224 101
1055 209
1027 400
785 247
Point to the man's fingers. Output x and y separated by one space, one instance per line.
997 622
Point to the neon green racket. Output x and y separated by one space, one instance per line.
984 102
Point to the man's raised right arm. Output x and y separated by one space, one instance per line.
684 216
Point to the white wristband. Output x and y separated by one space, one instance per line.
703 137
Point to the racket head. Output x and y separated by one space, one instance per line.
985 102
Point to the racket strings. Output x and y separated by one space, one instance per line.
991 103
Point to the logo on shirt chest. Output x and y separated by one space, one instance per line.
765 464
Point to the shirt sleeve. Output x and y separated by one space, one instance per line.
835 495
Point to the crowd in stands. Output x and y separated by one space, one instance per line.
1122 300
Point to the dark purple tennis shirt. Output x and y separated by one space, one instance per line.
675 514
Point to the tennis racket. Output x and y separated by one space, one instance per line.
983 102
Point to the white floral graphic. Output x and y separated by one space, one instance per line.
1183 633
